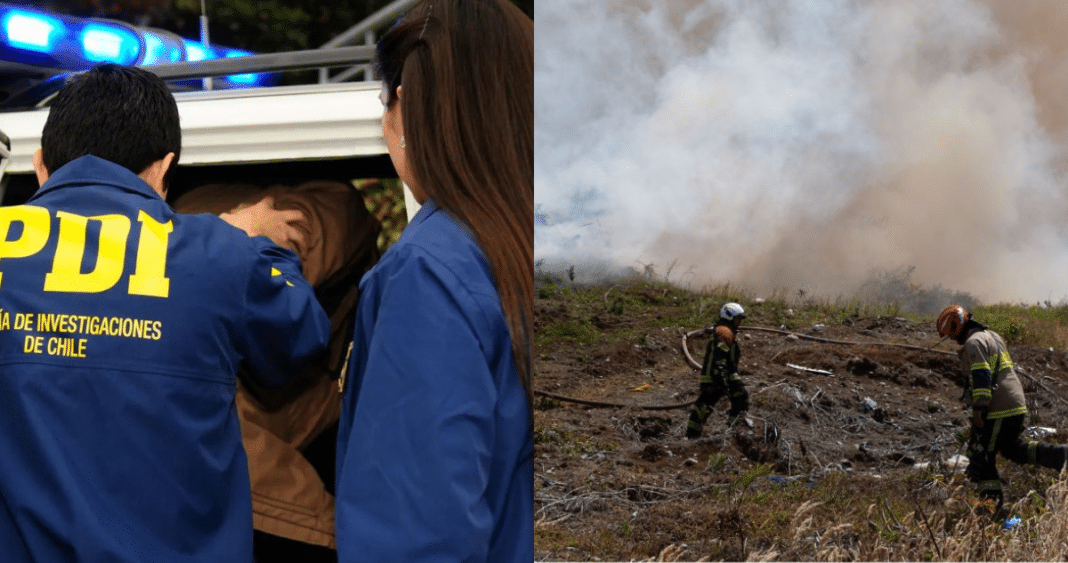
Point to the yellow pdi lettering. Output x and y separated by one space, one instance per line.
149 277
36 225
66 275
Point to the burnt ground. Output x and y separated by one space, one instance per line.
623 484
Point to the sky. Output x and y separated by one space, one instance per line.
806 145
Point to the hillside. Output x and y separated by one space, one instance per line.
845 465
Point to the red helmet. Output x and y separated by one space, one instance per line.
951 322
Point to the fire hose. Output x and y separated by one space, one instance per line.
696 365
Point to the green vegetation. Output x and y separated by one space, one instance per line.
385 200
1031 325
716 462
656 303
569 331
571 443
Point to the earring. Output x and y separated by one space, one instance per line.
402 142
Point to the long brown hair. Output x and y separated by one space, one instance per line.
467 67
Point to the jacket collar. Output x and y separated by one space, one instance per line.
89 169
425 211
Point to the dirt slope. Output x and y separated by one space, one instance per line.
622 484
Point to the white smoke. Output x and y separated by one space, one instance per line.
776 144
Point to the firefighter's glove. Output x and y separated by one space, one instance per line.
978 417
710 329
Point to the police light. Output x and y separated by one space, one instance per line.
107 43
30 30
196 51
246 79
162 47
42 38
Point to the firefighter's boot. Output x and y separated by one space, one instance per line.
698 415
1048 455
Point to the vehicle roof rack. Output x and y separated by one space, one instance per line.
267 62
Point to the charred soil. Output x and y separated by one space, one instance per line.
857 444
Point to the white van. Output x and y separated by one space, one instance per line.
278 133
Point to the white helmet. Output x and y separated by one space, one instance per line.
732 311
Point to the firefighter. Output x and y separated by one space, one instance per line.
719 373
997 401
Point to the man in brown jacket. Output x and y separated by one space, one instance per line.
998 403
292 504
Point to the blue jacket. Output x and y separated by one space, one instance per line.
122 328
434 449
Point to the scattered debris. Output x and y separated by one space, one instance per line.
957 463
810 370
1039 432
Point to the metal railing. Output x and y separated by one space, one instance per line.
267 62
367 31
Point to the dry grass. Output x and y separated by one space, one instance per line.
958 530
940 521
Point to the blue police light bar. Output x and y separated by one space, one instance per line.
41 38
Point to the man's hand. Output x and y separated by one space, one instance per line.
263 219
978 414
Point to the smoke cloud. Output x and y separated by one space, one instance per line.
806 145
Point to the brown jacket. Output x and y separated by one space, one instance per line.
289 499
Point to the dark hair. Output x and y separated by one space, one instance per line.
126 115
467 68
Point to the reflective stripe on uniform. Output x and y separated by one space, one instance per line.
1001 362
992 446
1022 409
